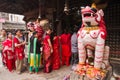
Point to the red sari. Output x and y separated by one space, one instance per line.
9 52
46 54
56 54
66 48
19 51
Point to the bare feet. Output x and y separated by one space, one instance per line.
31 72
37 72
18 72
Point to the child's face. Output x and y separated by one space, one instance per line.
49 31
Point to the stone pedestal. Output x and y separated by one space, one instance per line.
107 77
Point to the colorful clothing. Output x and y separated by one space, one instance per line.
19 53
9 53
66 48
40 31
56 54
46 54
34 54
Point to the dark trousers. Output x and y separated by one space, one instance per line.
74 58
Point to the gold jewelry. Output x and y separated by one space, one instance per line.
88 29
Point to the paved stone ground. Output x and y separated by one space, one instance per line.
54 75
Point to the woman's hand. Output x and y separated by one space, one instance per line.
51 50
23 43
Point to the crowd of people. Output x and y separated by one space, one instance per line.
44 48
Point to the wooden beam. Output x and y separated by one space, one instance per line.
31 14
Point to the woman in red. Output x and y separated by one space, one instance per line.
47 51
19 51
56 53
9 51
65 40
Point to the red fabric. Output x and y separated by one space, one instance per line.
46 54
11 64
56 54
10 60
40 32
66 44
46 47
65 60
66 48
19 51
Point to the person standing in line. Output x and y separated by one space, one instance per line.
56 52
74 47
31 28
3 37
47 51
9 51
66 47
34 52
19 51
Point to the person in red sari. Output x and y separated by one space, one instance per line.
9 52
19 51
56 53
65 40
47 51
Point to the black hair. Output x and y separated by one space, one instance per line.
35 32
9 33
17 30
48 28
75 29
66 31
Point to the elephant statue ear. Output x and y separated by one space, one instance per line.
101 12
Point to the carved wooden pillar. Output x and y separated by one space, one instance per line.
42 9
